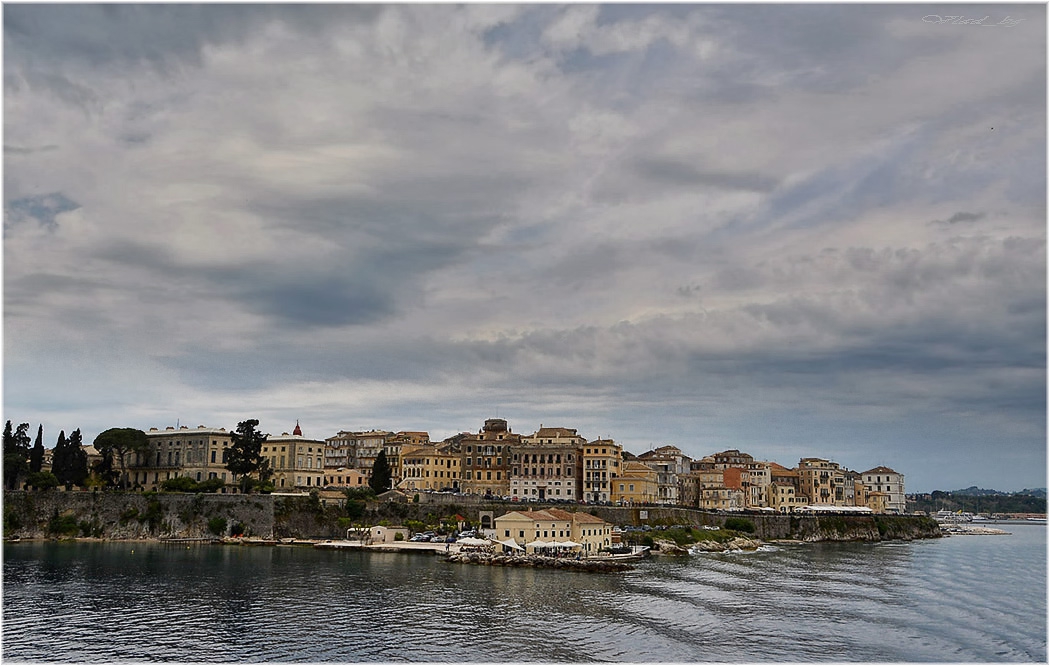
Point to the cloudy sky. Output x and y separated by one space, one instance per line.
812 230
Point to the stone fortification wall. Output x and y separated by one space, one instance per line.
119 515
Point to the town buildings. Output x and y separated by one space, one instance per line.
553 464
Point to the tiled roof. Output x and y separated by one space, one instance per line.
880 470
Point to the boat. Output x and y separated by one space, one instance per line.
951 517
626 553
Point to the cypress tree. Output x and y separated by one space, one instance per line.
16 454
60 458
78 459
36 456
381 474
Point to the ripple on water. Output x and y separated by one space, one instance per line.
956 600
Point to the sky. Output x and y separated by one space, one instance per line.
793 230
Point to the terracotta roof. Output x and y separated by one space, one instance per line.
880 470
556 432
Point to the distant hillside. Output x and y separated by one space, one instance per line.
983 492
980 500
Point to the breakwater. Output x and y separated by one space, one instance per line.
118 515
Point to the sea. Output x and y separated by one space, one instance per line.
957 600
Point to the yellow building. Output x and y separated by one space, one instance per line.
341 477
637 484
601 464
429 467
534 530
296 461
822 481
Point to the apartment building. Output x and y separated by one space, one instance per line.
669 462
884 480
784 489
486 459
636 484
547 465
601 464
430 467
822 481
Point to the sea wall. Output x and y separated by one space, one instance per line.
118 515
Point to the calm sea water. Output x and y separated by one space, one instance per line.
961 599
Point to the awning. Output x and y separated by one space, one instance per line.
568 544
510 543
539 544
471 541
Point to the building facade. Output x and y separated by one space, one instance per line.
601 464
884 480
486 459
197 453
547 465
636 484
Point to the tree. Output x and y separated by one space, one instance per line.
60 459
79 466
36 456
245 452
120 442
69 462
381 474
16 454
41 480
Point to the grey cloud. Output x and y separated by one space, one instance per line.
961 216
25 150
160 34
676 173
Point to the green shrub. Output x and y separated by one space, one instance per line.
63 525
217 525
739 525
363 493
180 484
398 536
415 498
211 485
355 509
154 512
11 522
42 480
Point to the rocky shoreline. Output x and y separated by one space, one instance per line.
599 565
